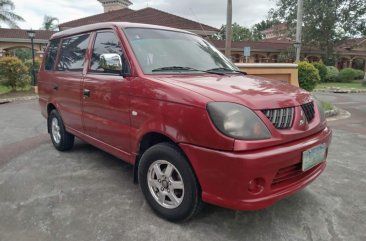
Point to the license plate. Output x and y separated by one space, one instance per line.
313 156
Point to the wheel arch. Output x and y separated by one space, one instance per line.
150 139
145 142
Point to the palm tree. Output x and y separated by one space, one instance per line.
6 14
49 23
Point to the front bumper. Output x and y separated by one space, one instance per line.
226 177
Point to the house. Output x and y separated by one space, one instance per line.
119 11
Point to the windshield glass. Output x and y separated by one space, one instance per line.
162 51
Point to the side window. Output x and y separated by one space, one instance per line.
51 54
73 53
106 43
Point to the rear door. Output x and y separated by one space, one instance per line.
106 100
68 79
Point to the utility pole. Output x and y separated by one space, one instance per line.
229 23
300 13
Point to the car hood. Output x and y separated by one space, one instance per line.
254 92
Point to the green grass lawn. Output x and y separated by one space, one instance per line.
6 92
327 105
357 84
4 89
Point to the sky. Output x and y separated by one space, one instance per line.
210 12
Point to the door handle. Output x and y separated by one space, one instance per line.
86 92
55 87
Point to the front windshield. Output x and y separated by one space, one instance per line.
162 51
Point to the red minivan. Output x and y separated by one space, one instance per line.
195 128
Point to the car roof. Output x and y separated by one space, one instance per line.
106 25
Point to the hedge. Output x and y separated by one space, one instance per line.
308 76
322 71
332 74
14 72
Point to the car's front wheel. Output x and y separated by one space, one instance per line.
168 183
61 139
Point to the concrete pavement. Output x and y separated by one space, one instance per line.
86 194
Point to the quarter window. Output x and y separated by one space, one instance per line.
51 54
73 53
106 43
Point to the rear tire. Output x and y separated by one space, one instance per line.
168 183
61 139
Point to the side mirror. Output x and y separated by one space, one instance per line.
111 63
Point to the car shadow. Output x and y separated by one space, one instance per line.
234 224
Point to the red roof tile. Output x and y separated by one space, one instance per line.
103 17
146 15
22 34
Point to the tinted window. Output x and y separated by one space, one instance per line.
51 54
73 53
106 43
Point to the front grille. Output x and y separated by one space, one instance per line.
287 173
309 111
280 118
290 174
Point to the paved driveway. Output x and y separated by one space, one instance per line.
86 194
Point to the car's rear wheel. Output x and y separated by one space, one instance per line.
168 183
61 139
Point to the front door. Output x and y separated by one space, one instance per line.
106 101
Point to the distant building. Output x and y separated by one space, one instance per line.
276 31
113 5
119 11
275 48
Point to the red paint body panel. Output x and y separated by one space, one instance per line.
175 106
224 176
106 113
255 92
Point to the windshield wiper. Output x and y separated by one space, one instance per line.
180 68
228 70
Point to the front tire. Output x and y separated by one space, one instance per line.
168 183
61 139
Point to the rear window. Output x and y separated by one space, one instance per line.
51 54
73 51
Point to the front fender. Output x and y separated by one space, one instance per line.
180 123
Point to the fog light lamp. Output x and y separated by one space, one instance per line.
256 186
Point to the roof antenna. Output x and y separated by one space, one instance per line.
198 21
147 4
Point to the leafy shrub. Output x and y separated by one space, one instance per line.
322 71
29 64
308 76
14 72
359 74
347 75
332 74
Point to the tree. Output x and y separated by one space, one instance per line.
49 23
239 33
325 21
7 15
21 53
261 26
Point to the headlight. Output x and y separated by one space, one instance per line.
237 121
320 109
